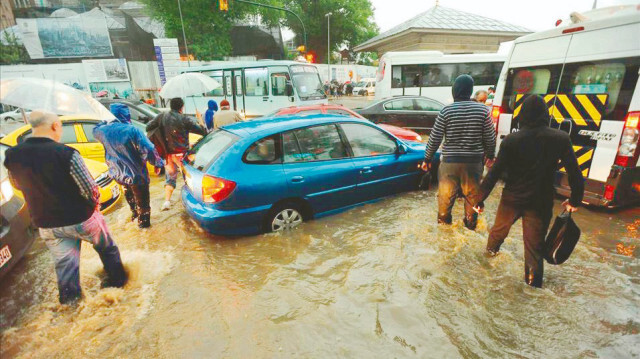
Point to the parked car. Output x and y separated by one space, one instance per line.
140 111
16 233
13 115
271 174
365 87
399 132
413 112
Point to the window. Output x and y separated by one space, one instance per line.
135 114
279 84
307 82
411 75
216 75
209 148
68 134
438 75
291 149
483 73
399 105
239 85
263 151
396 77
616 78
317 143
540 80
88 131
310 112
340 112
368 141
427 105
255 82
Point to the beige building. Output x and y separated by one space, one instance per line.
443 29
6 14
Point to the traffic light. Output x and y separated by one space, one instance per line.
311 57
224 5
301 49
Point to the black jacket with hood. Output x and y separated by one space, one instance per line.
176 128
528 159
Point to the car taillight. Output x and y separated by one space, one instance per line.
215 189
495 115
609 192
629 141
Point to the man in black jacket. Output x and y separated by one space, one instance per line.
529 160
63 202
176 128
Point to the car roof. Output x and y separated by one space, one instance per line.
297 109
79 117
279 124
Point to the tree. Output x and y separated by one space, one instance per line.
12 52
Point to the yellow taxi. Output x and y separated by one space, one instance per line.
110 190
77 132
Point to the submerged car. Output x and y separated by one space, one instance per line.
271 174
399 132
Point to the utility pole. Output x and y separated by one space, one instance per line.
329 46
184 37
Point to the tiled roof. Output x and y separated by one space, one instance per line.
444 18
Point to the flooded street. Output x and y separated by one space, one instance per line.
379 281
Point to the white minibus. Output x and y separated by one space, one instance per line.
587 73
257 88
431 73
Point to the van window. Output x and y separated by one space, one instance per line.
216 75
616 78
483 73
319 143
396 76
438 75
279 84
209 148
539 80
255 82
264 151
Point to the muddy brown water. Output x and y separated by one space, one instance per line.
378 281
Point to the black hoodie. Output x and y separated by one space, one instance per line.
529 159
462 88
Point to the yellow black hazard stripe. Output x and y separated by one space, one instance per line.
584 156
584 110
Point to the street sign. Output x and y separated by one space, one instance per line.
168 58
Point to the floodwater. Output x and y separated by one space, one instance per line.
378 281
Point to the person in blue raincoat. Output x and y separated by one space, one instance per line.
208 116
127 149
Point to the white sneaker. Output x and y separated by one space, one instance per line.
166 205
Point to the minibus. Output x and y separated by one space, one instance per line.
587 72
257 88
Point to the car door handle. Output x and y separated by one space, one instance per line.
297 179
366 170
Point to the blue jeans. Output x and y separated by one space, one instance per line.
64 245
172 165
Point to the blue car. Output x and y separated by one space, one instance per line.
271 174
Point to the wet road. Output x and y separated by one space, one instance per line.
378 281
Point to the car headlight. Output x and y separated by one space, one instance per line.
6 192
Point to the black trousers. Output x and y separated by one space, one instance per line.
137 196
535 223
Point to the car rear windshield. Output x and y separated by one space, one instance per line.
209 148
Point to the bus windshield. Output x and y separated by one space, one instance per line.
307 82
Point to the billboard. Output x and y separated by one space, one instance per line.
110 70
76 36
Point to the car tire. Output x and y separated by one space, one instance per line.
9 119
283 216
365 93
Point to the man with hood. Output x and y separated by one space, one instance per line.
126 151
529 159
469 137
208 115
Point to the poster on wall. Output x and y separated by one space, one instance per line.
74 36
68 74
109 70
113 90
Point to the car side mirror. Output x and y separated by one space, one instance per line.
402 148
288 89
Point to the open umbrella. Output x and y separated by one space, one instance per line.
52 96
188 84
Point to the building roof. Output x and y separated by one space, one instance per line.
443 18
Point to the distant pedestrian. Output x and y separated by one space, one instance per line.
480 96
212 107
469 136
127 150
63 200
491 92
226 115
529 159
176 128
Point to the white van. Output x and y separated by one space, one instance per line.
256 88
365 87
432 73
587 73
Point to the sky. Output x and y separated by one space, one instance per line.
536 14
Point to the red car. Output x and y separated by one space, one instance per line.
399 132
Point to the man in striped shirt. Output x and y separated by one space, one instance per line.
469 137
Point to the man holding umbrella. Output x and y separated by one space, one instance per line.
176 128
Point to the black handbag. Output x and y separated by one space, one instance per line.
561 239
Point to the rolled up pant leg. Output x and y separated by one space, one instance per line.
506 216
95 231
141 197
534 227
448 188
470 177
65 250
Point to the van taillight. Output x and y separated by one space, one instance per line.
609 191
629 141
215 189
573 29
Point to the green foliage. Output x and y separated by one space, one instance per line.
13 53
208 29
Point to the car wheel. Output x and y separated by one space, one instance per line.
9 119
282 217
365 94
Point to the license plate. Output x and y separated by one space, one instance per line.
5 255
115 191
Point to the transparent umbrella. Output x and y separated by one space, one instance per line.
52 96
188 84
